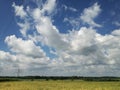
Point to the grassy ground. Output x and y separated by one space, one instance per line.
59 85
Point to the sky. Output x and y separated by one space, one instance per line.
60 37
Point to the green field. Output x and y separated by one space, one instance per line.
59 85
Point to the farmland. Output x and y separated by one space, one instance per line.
59 85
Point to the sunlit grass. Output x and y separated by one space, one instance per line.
59 85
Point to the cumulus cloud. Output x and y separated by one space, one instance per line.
11 63
6 56
90 13
78 52
116 32
51 36
25 47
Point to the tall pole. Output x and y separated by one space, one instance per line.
18 72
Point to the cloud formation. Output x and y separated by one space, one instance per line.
69 8
79 52
90 13
19 11
25 47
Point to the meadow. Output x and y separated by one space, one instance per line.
59 85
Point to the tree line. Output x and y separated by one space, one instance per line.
32 78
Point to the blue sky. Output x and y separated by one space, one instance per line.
60 37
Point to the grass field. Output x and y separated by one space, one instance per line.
59 85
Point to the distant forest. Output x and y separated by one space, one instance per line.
32 78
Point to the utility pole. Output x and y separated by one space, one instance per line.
18 72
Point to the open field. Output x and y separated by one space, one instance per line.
59 85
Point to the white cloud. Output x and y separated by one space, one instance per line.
116 32
69 8
9 63
24 28
25 47
22 13
73 9
49 6
19 10
89 14
50 34
36 14
5 56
